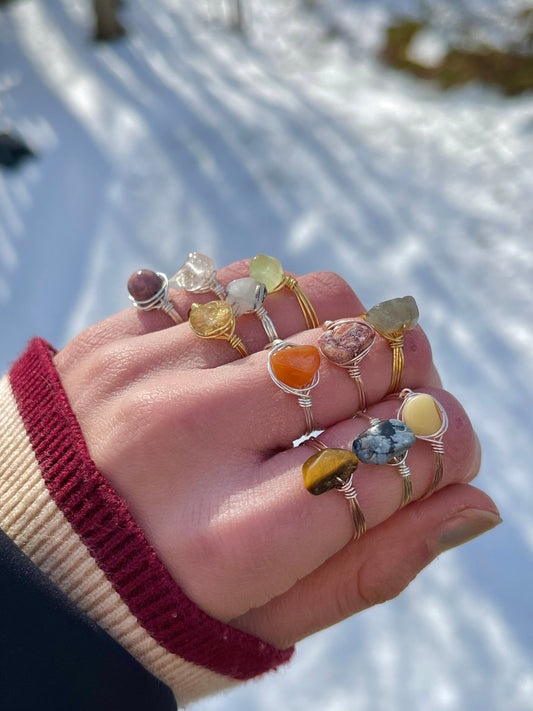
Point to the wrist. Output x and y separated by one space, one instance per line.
64 515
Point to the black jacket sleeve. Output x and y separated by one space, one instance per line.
55 658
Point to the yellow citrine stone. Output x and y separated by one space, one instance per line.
295 366
266 270
423 415
328 469
211 319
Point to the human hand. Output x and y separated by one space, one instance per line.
198 443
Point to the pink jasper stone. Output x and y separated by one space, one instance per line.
144 284
343 343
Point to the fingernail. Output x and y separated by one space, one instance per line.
465 526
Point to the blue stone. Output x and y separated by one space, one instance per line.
383 441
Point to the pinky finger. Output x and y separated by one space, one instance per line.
376 568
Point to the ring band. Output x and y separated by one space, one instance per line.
246 295
391 319
216 320
333 469
294 369
387 442
198 275
149 290
346 342
429 421
268 270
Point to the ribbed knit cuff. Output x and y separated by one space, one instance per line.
58 508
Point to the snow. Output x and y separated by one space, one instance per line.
296 142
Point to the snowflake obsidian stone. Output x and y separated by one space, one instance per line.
383 441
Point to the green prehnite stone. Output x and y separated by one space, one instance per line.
266 270
328 469
394 315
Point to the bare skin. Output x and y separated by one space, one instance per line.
198 442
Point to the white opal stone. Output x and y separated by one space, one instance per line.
266 270
194 273
245 295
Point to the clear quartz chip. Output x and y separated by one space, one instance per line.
195 274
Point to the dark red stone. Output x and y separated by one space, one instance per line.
144 284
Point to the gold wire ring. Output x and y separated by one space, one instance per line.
268 270
391 319
309 313
339 478
216 320
435 438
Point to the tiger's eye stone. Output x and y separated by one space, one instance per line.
422 414
266 270
144 284
345 342
210 319
394 315
323 470
194 273
295 366
383 441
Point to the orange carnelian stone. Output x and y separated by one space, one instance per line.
295 366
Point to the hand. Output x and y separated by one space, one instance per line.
198 443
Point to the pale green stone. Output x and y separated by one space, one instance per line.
266 270
394 315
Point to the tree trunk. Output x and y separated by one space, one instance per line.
239 16
107 25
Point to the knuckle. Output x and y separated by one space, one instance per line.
379 583
332 283
333 290
418 357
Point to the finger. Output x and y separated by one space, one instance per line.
278 533
375 569
331 296
180 347
271 419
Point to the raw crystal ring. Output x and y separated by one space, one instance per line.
346 342
429 421
295 370
216 320
391 319
268 270
149 290
387 442
197 274
333 469
245 296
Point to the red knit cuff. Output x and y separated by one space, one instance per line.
103 523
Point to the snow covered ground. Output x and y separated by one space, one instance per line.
294 141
